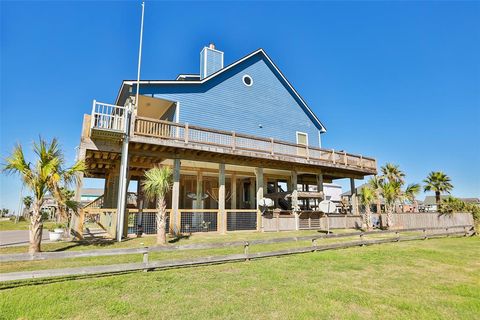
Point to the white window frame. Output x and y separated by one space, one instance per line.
304 133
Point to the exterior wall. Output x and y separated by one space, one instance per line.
267 108
333 192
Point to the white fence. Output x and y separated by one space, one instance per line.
108 116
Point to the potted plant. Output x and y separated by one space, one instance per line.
55 234
59 228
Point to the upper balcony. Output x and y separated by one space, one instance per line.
108 121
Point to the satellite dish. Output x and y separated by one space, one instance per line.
266 202
327 206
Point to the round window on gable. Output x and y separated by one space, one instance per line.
247 80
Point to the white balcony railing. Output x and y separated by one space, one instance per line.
108 117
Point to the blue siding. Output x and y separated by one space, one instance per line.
224 102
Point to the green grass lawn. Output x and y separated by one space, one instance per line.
433 279
8 225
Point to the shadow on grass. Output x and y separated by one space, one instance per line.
94 241
179 237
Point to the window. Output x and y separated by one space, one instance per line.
302 140
247 80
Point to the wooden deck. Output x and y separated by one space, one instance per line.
185 136
153 140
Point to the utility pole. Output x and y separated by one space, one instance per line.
122 189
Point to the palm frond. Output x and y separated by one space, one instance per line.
157 182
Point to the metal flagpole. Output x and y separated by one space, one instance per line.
122 194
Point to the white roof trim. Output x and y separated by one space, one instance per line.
222 71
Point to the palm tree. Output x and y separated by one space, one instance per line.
410 193
438 182
367 196
45 175
391 193
158 182
393 173
375 183
27 202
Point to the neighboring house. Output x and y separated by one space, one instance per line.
430 203
88 195
232 134
49 206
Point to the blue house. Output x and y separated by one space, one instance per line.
241 140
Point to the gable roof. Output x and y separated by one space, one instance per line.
260 51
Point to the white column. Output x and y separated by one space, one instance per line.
222 216
260 191
294 198
175 217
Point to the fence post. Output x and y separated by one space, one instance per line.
398 235
145 259
245 250
361 239
465 229
314 244
185 133
424 234
446 229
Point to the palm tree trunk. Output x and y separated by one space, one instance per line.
389 210
36 230
379 206
161 223
437 199
368 218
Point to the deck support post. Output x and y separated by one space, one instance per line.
293 188
260 192
320 185
199 197
221 199
122 189
140 199
353 198
233 200
233 189
175 222
251 193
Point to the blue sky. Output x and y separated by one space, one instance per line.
399 81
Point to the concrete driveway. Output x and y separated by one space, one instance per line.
17 237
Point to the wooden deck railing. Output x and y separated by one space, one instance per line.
189 133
